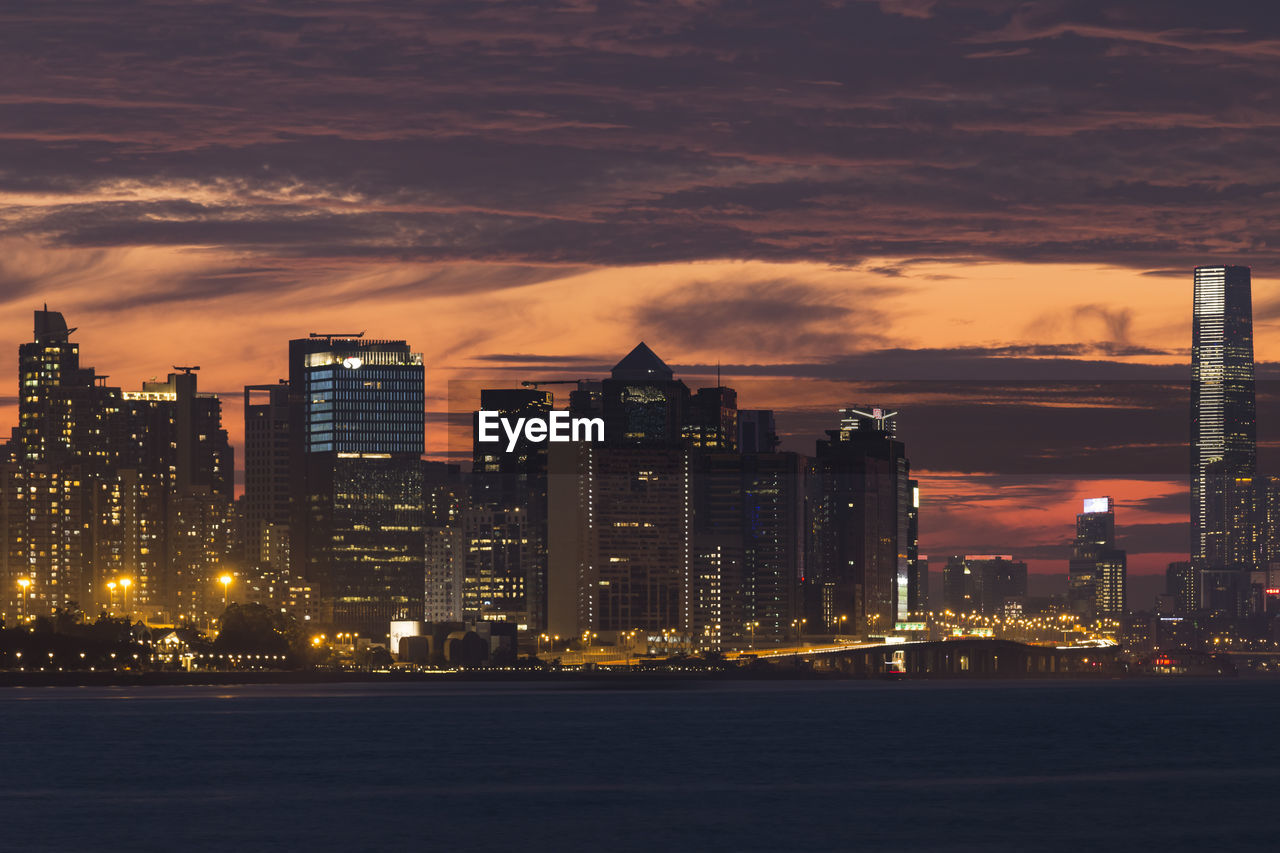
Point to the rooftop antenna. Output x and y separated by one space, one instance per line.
187 370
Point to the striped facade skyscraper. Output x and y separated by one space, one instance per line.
1223 409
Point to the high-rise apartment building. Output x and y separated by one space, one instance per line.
57 486
113 500
176 476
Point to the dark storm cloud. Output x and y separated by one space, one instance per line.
620 133
775 316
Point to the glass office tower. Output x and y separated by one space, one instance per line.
356 438
1222 395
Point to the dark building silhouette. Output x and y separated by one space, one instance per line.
757 432
773 542
917 564
267 476
356 432
983 583
643 404
860 498
711 423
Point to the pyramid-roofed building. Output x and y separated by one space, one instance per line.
642 364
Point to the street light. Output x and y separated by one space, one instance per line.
111 585
124 586
225 580
24 583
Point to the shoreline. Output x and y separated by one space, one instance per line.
588 678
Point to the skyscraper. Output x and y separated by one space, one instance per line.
356 434
506 521
917 564
1095 570
1223 410
266 476
177 467
858 570
622 510
446 497
105 486
63 451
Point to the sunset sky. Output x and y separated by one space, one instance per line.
981 213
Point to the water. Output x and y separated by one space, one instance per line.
1137 765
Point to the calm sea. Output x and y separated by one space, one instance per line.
1080 766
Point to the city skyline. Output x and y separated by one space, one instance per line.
790 194
639 424
1058 493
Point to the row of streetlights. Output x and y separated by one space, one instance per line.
123 584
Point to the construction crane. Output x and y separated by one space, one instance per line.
534 385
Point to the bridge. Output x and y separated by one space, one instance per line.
967 657
953 658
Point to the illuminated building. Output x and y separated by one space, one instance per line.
1235 519
176 468
1223 408
637 572
356 441
857 571
266 477
711 423
621 512
917 564
102 483
1096 572
66 413
445 501
1182 582
643 404
983 583
509 488
773 541
496 565
720 590
57 511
